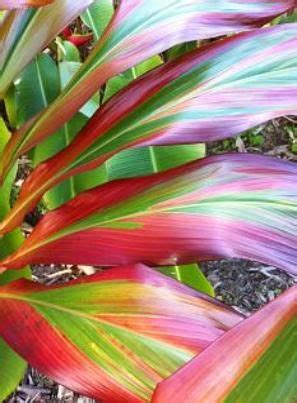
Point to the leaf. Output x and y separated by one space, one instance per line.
11 241
8 4
149 160
67 71
289 18
190 275
4 134
138 31
209 94
115 84
139 162
39 84
179 50
24 33
37 87
115 330
12 367
67 51
98 16
255 361
224 206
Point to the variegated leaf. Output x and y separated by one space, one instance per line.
139 30
254 362
211 93
24 33
224 206
114 335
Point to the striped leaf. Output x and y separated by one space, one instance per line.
8 4
24 33
138 31
253 362
224 206
113 335
208 94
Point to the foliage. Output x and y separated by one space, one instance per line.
115 134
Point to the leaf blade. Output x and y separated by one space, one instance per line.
190 275
212 208
20 29
12 367
136 33
242 349
206 95
83 324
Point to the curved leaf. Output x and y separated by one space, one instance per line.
139 30
115 330
254 362
224 206
211 93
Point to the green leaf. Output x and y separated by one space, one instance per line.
11 105
148 160
190 275
65 190
12 369
67 51
287 19
4 134
179 50
39 84
36 88
97 16
67 70
115 84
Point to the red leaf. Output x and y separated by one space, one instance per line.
234 205
113 335
211 376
